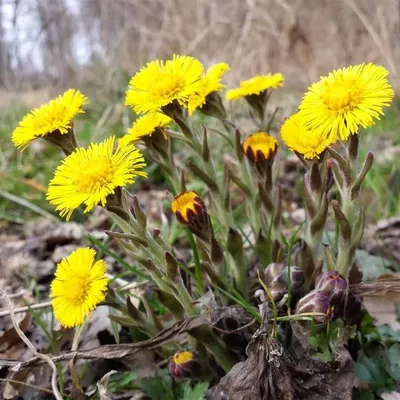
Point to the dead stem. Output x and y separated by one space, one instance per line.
23 337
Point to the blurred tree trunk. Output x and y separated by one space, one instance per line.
57 28
4 51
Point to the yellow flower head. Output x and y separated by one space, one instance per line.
255 86
346 99
304 141
183 364
145 126
79 286
183 357
159 84
209 83
57 115
88 176
186 206
260 147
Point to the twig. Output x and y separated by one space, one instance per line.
125 285
118 351
23 337
29 385
19 310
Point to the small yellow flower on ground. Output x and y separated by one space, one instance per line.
255 86
88 176
260 147
183 364
346 99
210 83
182 357
301 140
79 286
145 126
55 116
160 83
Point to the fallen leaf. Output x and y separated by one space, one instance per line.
380 298
11 337
102 386
384 239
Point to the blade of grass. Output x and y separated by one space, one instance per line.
27 204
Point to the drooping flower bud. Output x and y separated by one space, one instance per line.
333 284
296 277
191 211
315 301
278 290
183 365
272 271
260 147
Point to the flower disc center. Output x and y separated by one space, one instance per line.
95 174
77 290
168 86
342 95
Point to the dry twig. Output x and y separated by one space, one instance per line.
38 355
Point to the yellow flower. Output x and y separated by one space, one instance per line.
183 364
57 115
346 99
159 84
255 86
79 286
260 147
88 176
301 140
182 357
145 126
191 211
186 206
209 83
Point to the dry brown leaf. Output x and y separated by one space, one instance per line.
102 386
11 337
381 297
384 239
269 374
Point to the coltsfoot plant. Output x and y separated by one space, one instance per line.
252 279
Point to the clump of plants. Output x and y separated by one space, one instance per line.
262 308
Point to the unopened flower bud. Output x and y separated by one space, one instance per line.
333 284
272 271
278 290
260 148
296 277
316 301
213 106
183 365
191 211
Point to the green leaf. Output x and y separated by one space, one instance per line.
195 393
27 204
372 266
363 373
371 371
392 361
158 388
361 395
